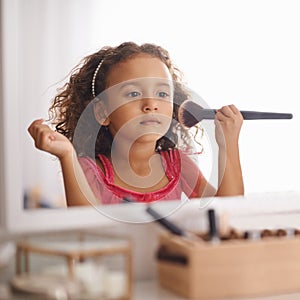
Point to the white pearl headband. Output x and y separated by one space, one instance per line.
94 78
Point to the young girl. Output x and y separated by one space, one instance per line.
118 136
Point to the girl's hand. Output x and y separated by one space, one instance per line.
228 123
48 140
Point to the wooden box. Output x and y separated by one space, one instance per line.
233 268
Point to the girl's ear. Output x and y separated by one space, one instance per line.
100 113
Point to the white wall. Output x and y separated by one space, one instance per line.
233 51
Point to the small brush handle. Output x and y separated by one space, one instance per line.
164 222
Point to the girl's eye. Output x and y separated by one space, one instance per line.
163 94
134 94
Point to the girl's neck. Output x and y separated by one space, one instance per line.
136 151
139 168
138 156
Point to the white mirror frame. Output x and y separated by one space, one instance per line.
12 215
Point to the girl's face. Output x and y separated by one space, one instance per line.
139 99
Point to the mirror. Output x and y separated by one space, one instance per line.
230 52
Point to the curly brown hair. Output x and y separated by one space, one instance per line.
75 96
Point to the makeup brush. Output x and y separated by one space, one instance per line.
190 113
170 226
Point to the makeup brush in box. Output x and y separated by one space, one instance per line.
190 113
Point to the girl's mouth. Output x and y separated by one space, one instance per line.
150 121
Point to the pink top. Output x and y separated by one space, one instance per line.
182 173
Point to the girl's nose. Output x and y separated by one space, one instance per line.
149 105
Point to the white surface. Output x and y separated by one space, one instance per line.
151 290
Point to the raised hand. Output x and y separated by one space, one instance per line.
48 140
228 122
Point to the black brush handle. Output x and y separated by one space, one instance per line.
163 254
213 230
250 115
164 222
256 115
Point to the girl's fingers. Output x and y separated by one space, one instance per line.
234 109
41 133
227 112
32 127
46 139
222 115
38 127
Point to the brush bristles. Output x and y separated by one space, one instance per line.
190 113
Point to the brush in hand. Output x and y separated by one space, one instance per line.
190 113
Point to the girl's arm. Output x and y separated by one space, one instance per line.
228 125
77 189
